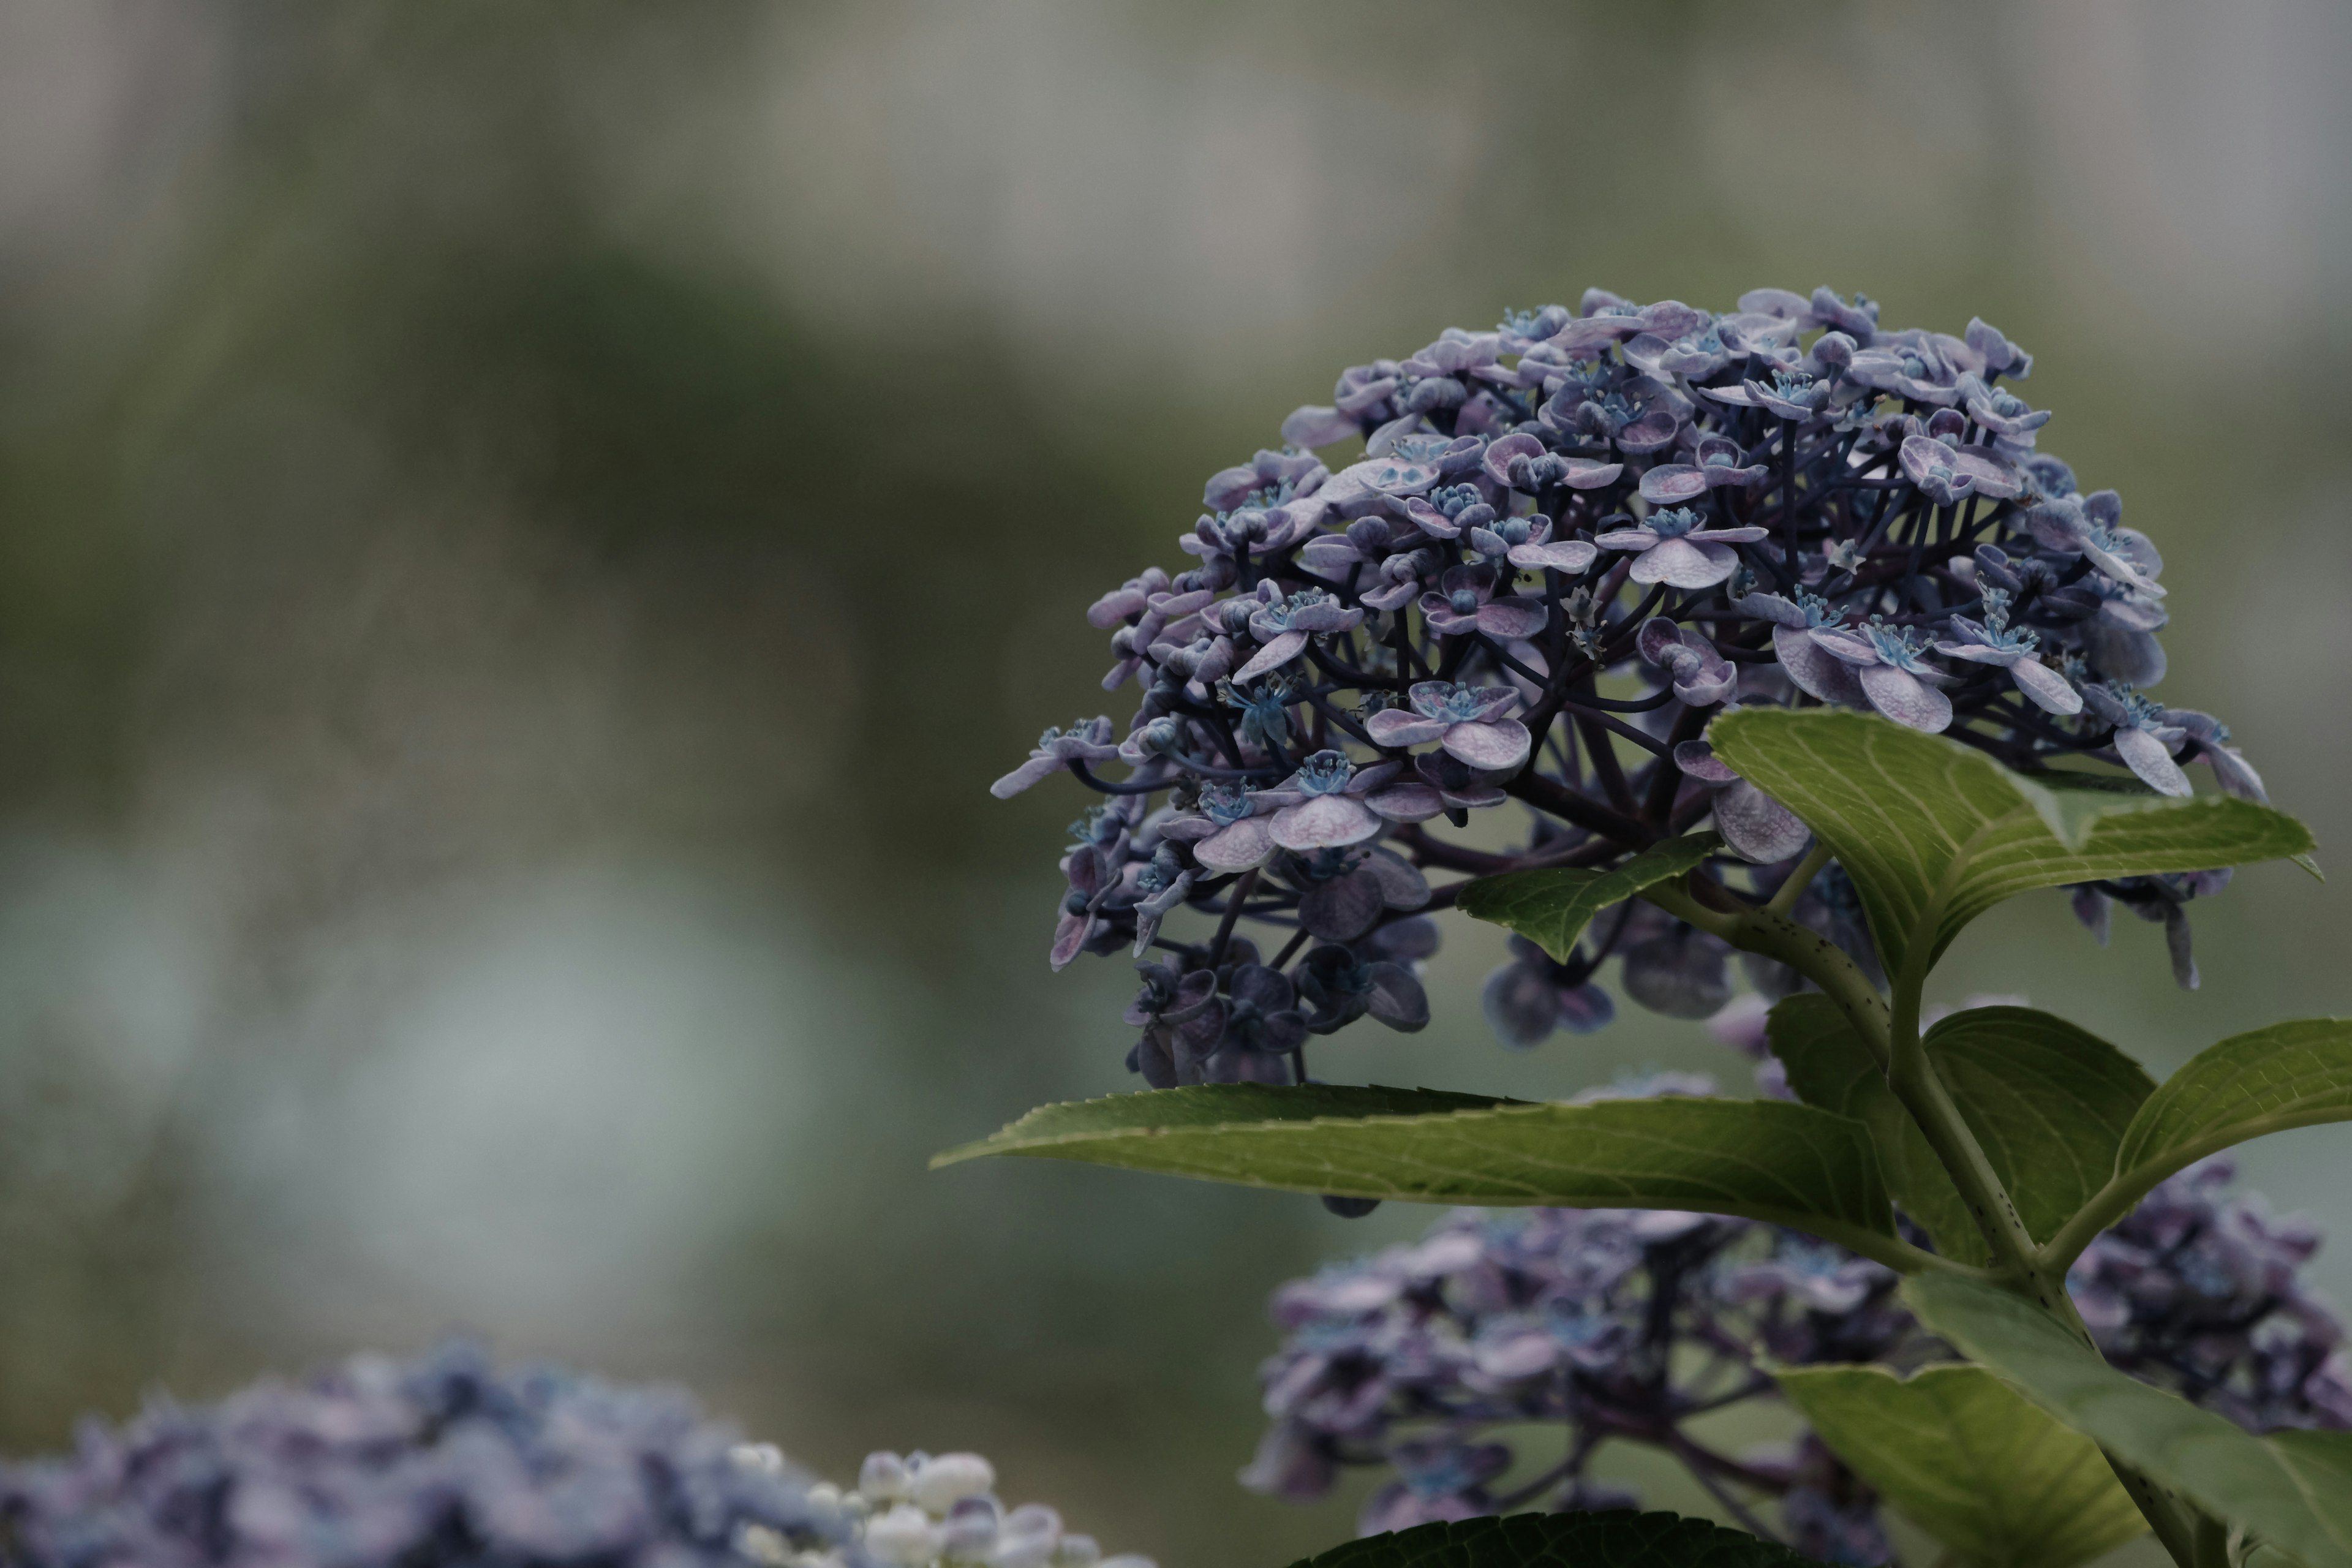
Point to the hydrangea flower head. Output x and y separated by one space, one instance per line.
1522 569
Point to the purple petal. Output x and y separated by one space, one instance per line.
1567 555
1069 936
1342 908
2145 755
1697 758
1627 539
1584 474
1654 431
1409 802
1671 484
1759 829
1521 1004
1512 619
1680 564
1237 846
1027 774
1493 746
1272 656
1269 990
1905 699
1729 535
1402 887
1498 461
1313 425
1398 999
1402 727
1815 672
1845 646
1324 822
2045 686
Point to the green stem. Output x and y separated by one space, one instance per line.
1816 860
1892 1033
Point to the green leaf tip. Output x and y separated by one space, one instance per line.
1618 1538
1551 907
1758 1158
1934 832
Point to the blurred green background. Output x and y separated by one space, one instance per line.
526 530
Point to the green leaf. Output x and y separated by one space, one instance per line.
1551 907
1970 1461
1830 1068
2283 1491
1767 1160
2290 1075
1934 833
2049 1103
1617 1538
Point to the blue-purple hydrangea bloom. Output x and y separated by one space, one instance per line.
449 1461
1627 1326
1525 567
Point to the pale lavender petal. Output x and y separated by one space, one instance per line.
1402 727
1729 535
2045 686
1566 555
1512 618
2136 658
1498 461
1494 702
1314 426
2145 755
1654 431
1188 830
1845 646
1627 539
1976 653
1069 936
1409 802
1758 828
1330 556
1584 474
1680 564
1027 774
1671 484
1491 746
1272 656
1816 673
1324 822
1237 846
1697 758
1905 699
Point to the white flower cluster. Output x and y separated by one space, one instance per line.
928 1510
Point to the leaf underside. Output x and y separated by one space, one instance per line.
1616 1538
1970 1461
1551 907
2289 1489
1934 833
1767 1160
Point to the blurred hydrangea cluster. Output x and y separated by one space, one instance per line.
449 1461
936 1511
1550 554
1631 1326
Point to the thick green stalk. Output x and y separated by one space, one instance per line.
1891 1031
